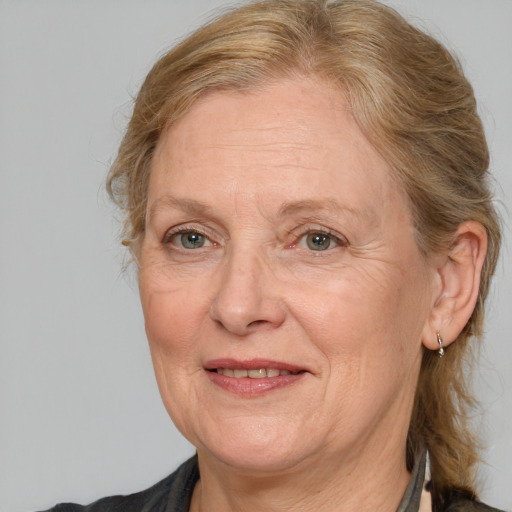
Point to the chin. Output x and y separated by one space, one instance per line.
252 461
256 448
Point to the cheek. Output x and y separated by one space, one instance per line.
369 331
172 322
166 296
173 314
365 316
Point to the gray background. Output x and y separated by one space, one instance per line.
80 414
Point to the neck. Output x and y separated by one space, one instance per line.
348 484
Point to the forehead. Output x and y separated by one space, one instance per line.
307 112
293 136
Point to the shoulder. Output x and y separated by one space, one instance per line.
176 489
466 505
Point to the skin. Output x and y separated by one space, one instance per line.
266 168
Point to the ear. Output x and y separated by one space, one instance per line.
458 276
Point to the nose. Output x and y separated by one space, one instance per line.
247 300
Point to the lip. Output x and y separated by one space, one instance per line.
247 387
252 364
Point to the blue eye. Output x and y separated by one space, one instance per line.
318 241
189 240
192 240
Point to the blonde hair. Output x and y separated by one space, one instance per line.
412 101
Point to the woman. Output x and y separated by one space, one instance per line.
305 192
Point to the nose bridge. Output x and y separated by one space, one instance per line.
245 298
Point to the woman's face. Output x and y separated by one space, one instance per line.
283 292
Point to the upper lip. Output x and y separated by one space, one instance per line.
251 364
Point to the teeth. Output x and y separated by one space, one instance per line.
260 373
257 374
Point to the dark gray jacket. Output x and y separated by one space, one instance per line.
173 494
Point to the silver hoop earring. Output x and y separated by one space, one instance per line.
440 352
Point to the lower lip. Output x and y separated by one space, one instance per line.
247 387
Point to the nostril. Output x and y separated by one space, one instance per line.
255 323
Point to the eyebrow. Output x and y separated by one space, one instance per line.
308 207
190 206
329 205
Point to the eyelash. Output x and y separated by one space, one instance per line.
308 230
170 234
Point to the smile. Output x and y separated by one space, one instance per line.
260 373
253 378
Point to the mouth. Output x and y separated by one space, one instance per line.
259 373
253 378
